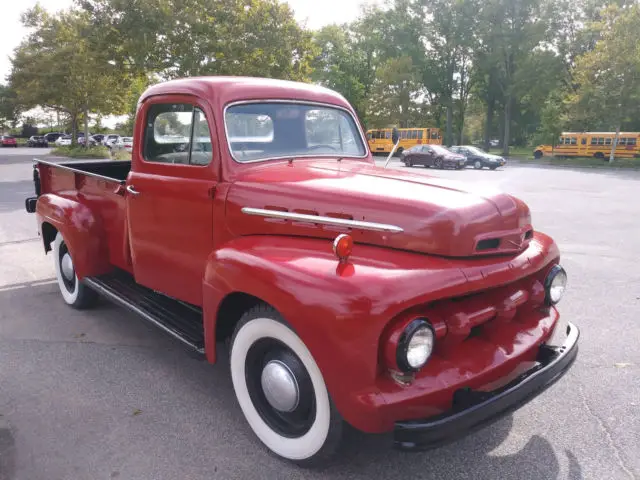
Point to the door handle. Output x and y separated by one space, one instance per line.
132 191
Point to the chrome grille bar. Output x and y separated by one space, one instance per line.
340 222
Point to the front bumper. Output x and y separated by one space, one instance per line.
475 409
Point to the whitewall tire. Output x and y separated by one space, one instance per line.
281 390
74 292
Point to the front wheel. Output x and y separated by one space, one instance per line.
281 390
438 163
537 154
75 293
477 165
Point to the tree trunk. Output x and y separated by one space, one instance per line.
491 105
615 144
507 125
86 126
74 128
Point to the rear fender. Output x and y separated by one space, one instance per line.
81 230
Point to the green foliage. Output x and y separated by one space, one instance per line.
8 107
77 151
177 38
608 76
62 65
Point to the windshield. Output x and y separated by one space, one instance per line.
259 131
475 150
440 150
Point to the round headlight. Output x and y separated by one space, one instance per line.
555 284
415 345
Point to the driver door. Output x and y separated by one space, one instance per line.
170 196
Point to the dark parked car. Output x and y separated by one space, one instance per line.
52 136
479 158
8 141
432 155
37 141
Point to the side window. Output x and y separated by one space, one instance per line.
574 140
177 133
561 141
387 135
601 141
420 134
403 134
594 141
368 135
201 148
607 141
631 141
583 141
622 141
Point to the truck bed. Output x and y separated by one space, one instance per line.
116 171
98 185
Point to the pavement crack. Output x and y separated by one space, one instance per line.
17 242
607 433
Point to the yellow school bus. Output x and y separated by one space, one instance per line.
380 139
592 144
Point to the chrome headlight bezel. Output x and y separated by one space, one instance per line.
419 325
557 273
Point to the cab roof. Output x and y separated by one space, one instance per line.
221 90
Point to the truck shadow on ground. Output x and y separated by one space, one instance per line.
203 404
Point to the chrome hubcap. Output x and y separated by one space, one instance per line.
280 386
66 265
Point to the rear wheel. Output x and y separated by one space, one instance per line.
599 155
537 154
281 390
438 163
75 293
477 165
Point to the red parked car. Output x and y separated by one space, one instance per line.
8 141
252 212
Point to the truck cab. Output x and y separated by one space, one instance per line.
252 213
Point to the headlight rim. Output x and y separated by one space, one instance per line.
403 344
548 281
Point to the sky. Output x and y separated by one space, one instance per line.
312 13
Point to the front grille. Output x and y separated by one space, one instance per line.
476 315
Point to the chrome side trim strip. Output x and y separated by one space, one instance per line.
341 222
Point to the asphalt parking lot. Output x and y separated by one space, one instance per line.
101 395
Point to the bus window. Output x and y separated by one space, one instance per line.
631 141
583 141
420 134
574 140
601 141
387 134
607 141
434 135
403 134
369 135
594 141
622 141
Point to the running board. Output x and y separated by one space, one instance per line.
180 320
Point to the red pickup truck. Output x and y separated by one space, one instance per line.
252 212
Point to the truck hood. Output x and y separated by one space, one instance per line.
437 216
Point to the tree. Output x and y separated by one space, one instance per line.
608 77
8 107
62 65
177 38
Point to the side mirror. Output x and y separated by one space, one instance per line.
395 135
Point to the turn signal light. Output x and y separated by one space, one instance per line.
343 246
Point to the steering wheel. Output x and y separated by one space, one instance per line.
323 145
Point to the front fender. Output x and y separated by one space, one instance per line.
81 230
340 311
